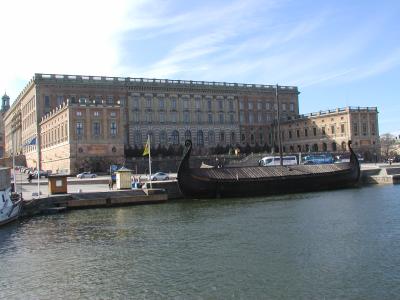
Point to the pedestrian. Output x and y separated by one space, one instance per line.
110 184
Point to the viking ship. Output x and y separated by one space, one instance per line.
259 181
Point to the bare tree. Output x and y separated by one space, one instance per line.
387 141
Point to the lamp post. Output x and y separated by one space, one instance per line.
279 125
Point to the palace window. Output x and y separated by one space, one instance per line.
333 129
198 103
241 117
173 103
211 137
136 102
220 104
162 117
161 103
200 138
199 118
231 108
188 135
222 137
364 128
60 100
355 128
221 118
148 102
209 105
163 137
113 128
210 118
186 117
137 138
96 128
251 118
79 128
185 104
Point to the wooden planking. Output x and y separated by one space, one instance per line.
263 172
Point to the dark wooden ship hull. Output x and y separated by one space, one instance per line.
260 181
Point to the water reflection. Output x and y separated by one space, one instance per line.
337 244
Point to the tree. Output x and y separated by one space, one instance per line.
387 141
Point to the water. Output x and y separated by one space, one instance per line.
329 245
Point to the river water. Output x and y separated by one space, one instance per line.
326 245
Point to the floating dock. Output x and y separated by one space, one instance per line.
60 203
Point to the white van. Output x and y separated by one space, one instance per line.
276 161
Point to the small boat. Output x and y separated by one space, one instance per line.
10 206
259 181
10 203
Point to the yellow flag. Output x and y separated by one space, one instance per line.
147 147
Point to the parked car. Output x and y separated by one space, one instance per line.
159 176
86 175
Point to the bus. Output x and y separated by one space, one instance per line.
276 161
318 159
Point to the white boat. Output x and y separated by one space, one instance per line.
9 208
10 204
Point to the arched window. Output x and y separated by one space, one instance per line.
307 148
175 137
252 138
211 137
188 135
291 149
200 138
315 148
343 146
222 137
163 138
334 146
233 138
137 138
298 148
324 147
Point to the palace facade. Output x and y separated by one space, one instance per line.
329 131
65 120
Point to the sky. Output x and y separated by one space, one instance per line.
338 53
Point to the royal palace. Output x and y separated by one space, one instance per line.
61 120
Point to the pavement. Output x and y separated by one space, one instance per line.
75 185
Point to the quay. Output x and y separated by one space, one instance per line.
161 192
59 203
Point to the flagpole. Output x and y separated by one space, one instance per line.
38 164
151 185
